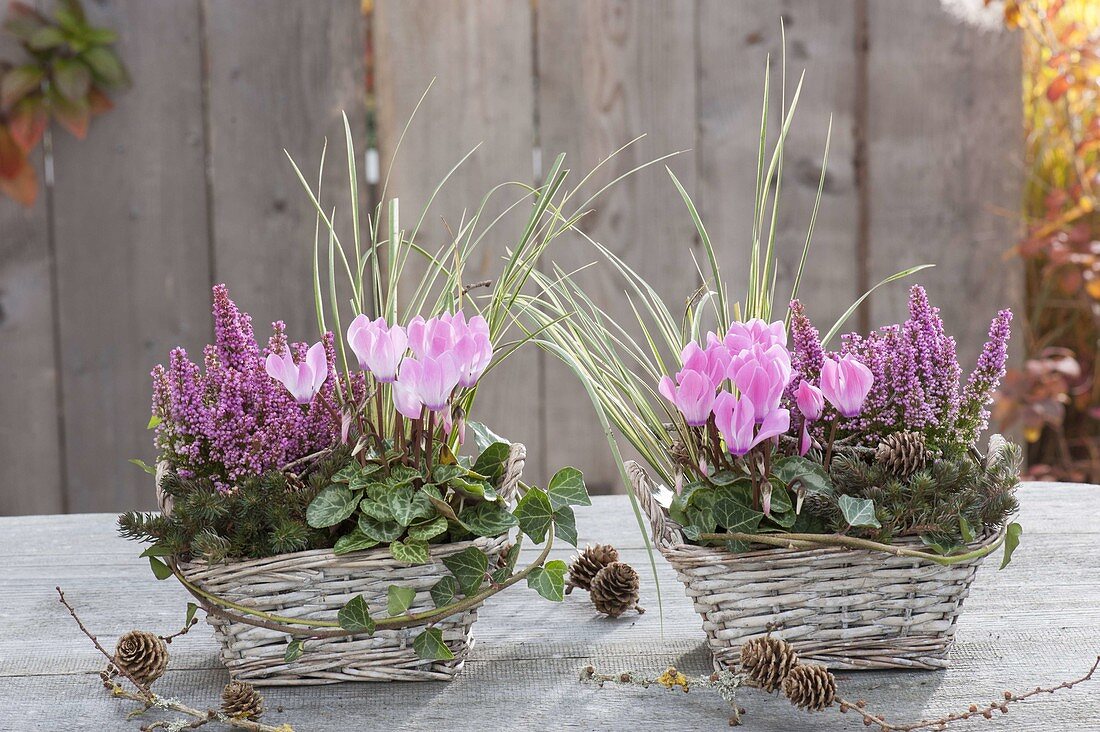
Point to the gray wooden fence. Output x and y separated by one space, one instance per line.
185 184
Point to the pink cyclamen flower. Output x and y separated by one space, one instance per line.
432 337
435 379
473 352
406 398
735 418
755 332
762 374
302 380
378 347
846 383
811 402
693 395
713 361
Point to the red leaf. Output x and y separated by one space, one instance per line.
23 187
12 158
1057 88
98 102
28 122
73 115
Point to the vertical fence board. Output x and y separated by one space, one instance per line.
481 58
608 72
30 454
735 41
131 248
280 73
944 146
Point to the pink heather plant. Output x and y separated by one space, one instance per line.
231 419
916 376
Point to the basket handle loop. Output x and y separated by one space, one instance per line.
666 532
513 470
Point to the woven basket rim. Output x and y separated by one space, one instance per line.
684 548
435 551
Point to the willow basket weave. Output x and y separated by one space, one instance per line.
844 608
315 585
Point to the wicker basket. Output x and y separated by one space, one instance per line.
844 608
315 585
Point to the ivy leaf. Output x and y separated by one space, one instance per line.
354 617
565 525
399 600
487 519
483 436
356 541
549 580
192 608
732 510
293 651
160 569
535 514
428 529
1012 540
444 591
492 460
858 511
331 506
468 567
429 646
410 551
567 488
144 466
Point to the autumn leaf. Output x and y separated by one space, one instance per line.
73 115
28 122
23 186
1058 88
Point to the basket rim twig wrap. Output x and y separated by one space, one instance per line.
313 585
842 607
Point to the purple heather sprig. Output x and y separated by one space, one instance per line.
230 419
983 382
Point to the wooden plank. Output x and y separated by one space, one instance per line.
1009 637
280 73
608 72
30 447
480 56
945 141
735 41
130 230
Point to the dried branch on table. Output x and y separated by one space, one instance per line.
142 657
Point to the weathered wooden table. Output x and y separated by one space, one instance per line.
1037 622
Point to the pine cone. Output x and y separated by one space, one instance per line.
614 589
767 661
241 701
810 687
588 563
142 655
903 453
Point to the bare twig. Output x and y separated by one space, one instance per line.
110 657
986 712
149 700
183 631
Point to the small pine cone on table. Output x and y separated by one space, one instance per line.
588 563
615 588
810 687
903 453
767 661
142 655
241 701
